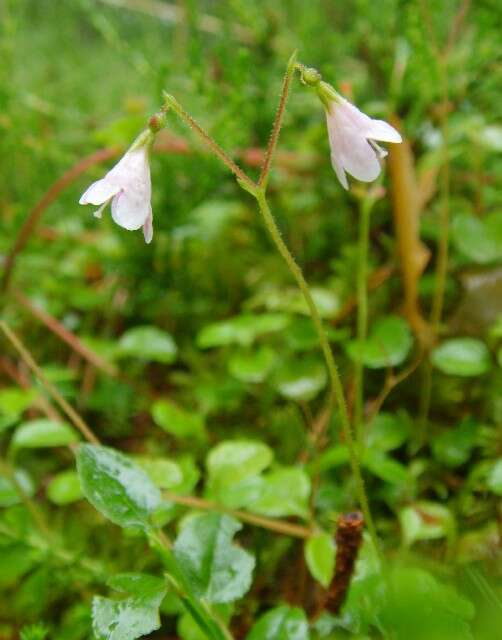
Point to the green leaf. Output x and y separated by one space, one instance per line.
148 344
116 486
234 460
453 447
233 471
301 380
462 357
215 568
281 623
494 480
179 422
242 330
479 239
285 492
388 344
64 488
43 433
387 432
9 494
384 467
320 557
425 521
131 617
164 473
15 561
252 366
13 402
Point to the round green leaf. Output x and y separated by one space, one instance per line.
301 380
177 421
320 557
116 486
164 473
43 433
388 431
281 623
252 366
243 329
214 567
284 492
148 344
462 357
64 488
388 344
480 239
234 460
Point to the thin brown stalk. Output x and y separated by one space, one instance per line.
50 388
22 380
279 526
47 199
65 334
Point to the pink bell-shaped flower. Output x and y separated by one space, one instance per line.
129 189
352 138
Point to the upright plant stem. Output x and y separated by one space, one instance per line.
336 383
362 315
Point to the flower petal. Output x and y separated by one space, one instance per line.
129 210
349 147
148 228
383 131
340 173
359 159
100 191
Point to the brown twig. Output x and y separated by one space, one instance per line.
51 389
65 334
22 380
47 199
279 526
348 538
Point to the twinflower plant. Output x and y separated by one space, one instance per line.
352 137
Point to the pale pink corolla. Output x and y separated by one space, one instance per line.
129 189
352 135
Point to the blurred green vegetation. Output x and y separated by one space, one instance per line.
221 388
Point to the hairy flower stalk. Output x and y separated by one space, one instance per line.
128 187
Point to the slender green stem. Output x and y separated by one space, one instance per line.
335 380
362 315
173 104
276 129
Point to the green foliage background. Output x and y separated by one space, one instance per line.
221 381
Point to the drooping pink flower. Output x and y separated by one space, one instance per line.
129 189
352 138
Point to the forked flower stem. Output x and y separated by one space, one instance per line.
276 129
172 103
335 380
